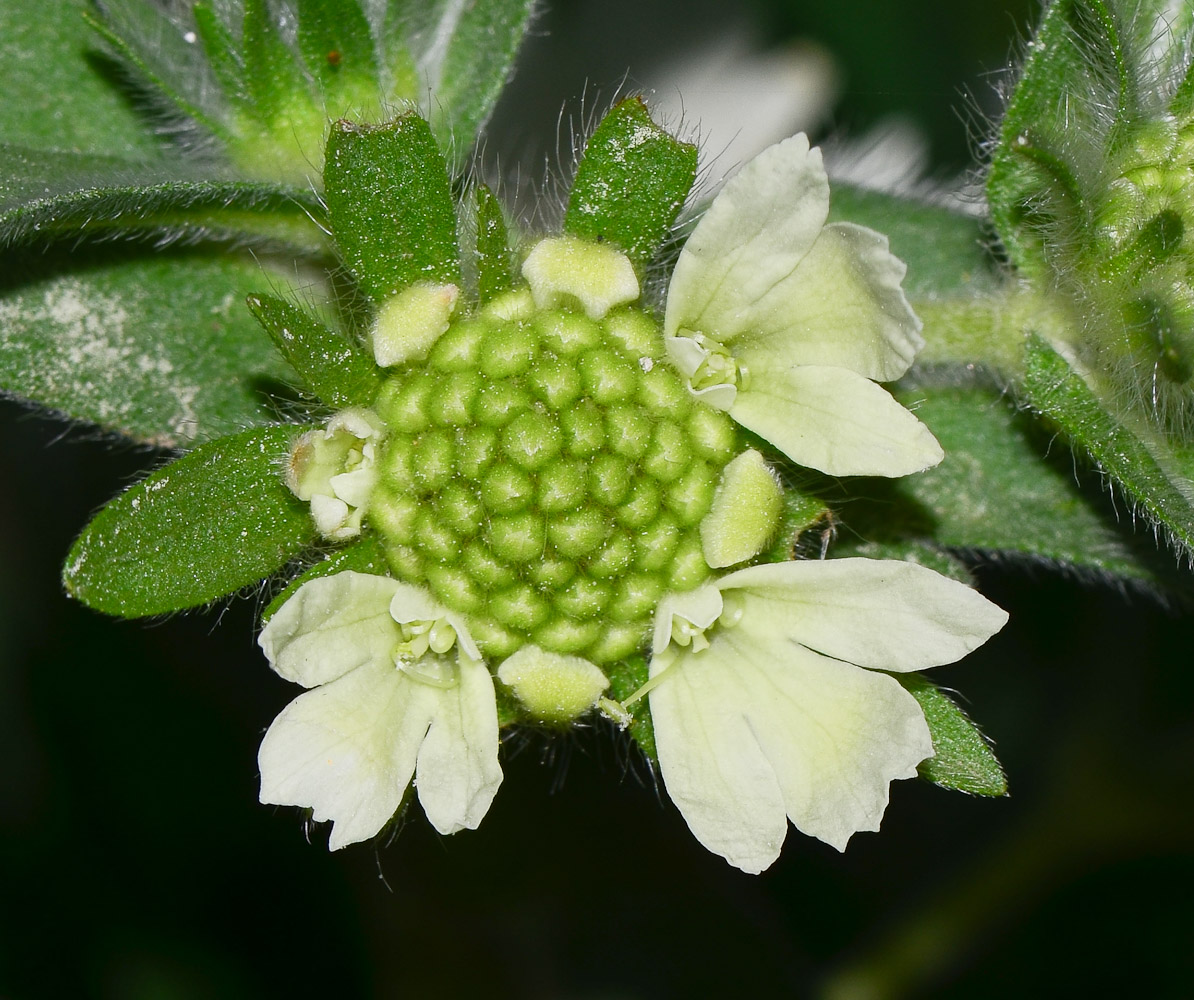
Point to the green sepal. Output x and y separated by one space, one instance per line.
362 556
390 205
631 183
337 45
205 526
1073 106
272 76
492 252
626 677
329 364
962 759
1153 475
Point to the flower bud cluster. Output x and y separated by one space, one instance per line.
547 474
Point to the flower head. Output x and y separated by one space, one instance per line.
557 486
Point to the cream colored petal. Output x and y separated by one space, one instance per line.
754 235
700 606
880 613
752 731
330 626
842 307
712 764
458 772
414 604
347 750
836 421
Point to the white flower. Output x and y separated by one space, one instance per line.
788 323
768 703
388 703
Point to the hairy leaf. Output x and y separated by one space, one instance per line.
161 349
207 525
962 760
44 195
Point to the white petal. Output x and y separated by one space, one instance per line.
347 750
458 772
330 626
836 421
752 730
414 604
712 765
880 613
754 235
842 307
700 606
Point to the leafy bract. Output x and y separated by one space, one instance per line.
330 365
962 759
631 183
214 521
390 205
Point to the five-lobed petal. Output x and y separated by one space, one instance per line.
349 748
784 715
808 315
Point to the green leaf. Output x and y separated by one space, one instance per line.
207 525
154 44
47 194
272 76
1158 479
492 251
391 206
362 556
337 45
626 677
161 349
631 183
465 52
962 760
330 365
53 96
998 492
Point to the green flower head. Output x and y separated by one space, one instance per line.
559 489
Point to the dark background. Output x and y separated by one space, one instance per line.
136 864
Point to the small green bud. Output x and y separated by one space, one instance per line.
554 689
